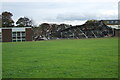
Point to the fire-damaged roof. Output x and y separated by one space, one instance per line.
114 26
92 29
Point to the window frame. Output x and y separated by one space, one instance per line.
19 36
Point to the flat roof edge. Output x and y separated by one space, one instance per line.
13 27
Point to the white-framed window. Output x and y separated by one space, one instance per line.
18 36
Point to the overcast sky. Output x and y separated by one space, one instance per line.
61 11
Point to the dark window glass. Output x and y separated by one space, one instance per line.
23 34
14 37
14 40
18 37
14 34
23 37
18 40
18 34
23 40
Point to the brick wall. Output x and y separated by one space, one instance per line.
29 34
117 32
7 35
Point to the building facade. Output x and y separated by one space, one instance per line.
16 34
115 25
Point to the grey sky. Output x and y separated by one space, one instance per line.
62 11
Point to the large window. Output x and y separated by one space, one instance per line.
116 21
18 36
0 36
112 21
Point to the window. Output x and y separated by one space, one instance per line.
13 40
23 34
18 36
14 34
108 22
23 39
112 21
116 21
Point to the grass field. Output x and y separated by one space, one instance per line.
82 58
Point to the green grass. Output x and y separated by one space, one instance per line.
82 58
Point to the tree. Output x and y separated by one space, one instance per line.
24 22
91 21
7 19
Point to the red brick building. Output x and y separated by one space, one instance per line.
16 34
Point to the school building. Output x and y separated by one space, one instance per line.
16 34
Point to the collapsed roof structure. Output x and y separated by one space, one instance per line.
91 29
